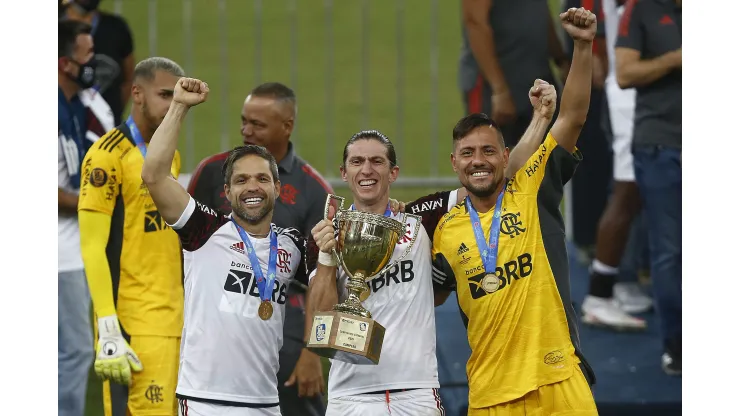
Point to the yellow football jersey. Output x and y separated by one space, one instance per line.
143 251
521 325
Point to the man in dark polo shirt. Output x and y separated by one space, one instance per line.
506 45
648 55
268 117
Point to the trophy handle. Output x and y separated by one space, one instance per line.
333 200
338 203
404 219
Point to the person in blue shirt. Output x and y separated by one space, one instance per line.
76 72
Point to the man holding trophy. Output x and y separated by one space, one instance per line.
385 268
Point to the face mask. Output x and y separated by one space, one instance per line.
86 76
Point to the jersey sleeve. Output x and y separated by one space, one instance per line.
197 224
550 166
631 33
301 273
101 181
443 278
432 208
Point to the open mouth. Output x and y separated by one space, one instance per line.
367 183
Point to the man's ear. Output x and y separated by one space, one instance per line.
394 173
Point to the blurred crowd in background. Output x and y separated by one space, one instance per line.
624 201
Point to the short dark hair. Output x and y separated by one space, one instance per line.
471 122
251 149
68 32
277 91
146 69
371 135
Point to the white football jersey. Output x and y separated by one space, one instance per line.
228 353
402 300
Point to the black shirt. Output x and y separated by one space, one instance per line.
520 29
113 43
653 27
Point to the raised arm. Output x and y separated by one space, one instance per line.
544 98
169 196
580 24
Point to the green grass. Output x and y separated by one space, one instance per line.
319 134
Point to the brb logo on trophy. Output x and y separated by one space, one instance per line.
365 245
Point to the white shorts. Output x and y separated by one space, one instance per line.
418 402
621 114
192 408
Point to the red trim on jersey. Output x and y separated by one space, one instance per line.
310 171
201 165
439 402
475 105
624 24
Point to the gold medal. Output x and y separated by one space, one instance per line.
265 310
490 283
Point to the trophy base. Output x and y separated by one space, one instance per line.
345 337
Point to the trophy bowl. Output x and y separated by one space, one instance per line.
365 245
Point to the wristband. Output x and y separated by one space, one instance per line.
327 259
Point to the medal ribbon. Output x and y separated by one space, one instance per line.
489 252
263 285
136 134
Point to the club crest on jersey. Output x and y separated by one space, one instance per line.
511 224
320 332
407 236
283 260
98 177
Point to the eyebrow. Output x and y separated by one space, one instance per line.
167 90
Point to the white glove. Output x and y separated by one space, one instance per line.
114 359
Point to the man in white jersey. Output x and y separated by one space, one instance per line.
237 269
405 381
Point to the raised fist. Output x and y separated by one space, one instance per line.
579 23
544 98
190 91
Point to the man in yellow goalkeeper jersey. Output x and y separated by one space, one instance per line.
132 258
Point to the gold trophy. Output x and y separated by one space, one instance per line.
365 244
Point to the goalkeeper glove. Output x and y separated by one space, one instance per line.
114 359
